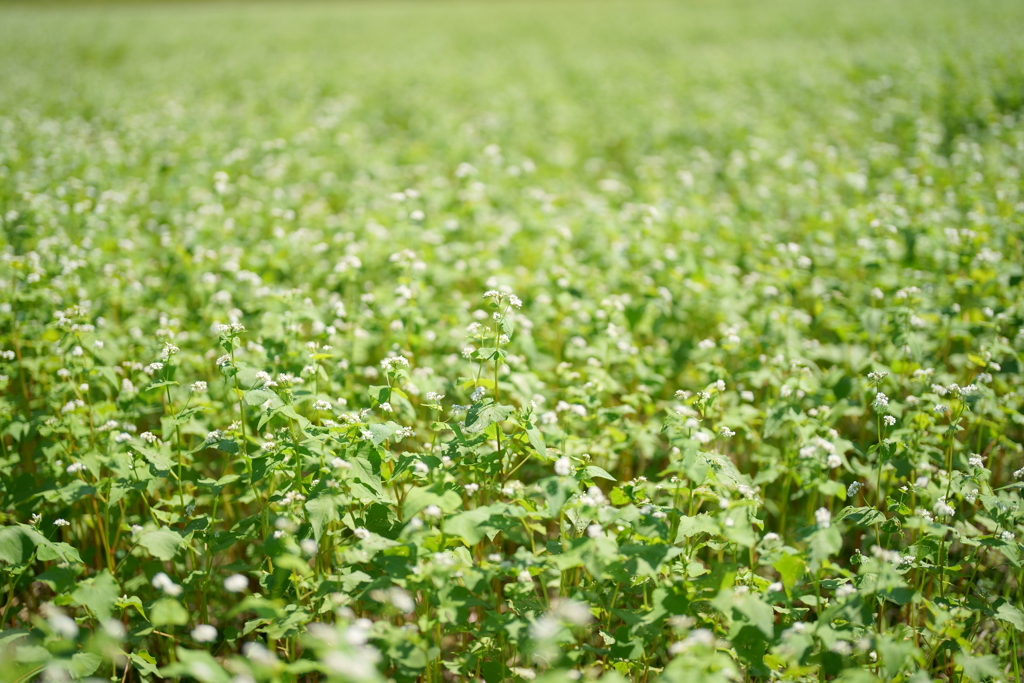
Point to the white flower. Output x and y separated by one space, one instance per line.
524 577
236 583
975 461
943 509
889 420
432 511
845 590
880 403
823 518
726 433
471 488
386 407
941 409
61 522
197 387
164 583
76 467
563 466
852 490
594 531
775 587
62 624
204 633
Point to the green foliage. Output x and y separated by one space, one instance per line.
512 342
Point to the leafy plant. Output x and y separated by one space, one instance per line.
366 343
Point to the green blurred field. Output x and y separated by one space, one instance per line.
768 258
562 81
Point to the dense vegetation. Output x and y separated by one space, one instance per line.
528 342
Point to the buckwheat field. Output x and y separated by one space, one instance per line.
519 341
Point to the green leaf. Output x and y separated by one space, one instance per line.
979 668
162 544
824 543
591 472
160 385
556 490
379 393
198 665
257 397
865 517
84 664
161 461
57 551
790 568
1011 615
470 525
536 438
323 510
18 542
483 415
145 663
420 497
98 594
692 526
758 613
894 653
168 612
379 433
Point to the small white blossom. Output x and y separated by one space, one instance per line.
943 509
204 633
163 582
563 466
